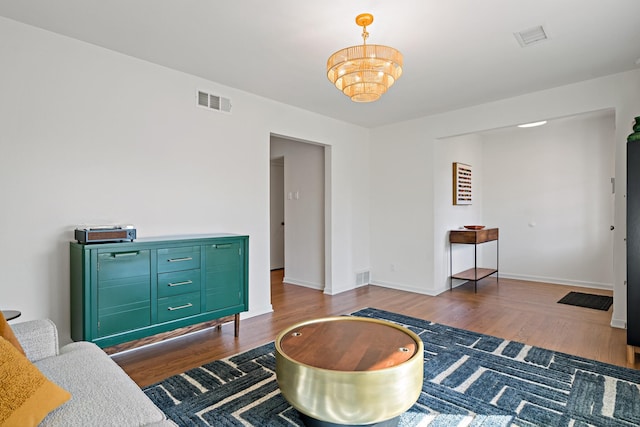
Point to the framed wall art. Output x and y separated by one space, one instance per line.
462 189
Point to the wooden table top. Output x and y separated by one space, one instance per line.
348 344
473 236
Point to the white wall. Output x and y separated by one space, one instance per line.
464 149
402 240
304 257
88 135
403 223
549 190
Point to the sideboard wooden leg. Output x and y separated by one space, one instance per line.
631 354
236 323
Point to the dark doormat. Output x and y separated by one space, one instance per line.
599 302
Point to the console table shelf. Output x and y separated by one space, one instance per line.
472 237
475 273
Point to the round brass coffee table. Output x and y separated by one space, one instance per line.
349 370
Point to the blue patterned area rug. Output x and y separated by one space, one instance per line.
470 380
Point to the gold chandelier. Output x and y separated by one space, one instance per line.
364 72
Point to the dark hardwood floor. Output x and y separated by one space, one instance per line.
516 310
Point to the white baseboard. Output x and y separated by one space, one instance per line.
618 323
292 281
557 281
268 308
433 292
401 287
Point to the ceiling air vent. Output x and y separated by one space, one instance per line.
531 36
213 102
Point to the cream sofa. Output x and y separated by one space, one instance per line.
102 394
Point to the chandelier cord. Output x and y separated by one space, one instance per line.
365 34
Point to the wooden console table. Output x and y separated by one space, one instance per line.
472 237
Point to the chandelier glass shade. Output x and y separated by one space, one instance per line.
364 72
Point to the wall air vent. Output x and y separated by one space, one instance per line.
362 278
532 36
213 102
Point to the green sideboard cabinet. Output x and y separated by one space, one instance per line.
126 291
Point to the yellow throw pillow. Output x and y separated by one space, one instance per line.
26 396
7 333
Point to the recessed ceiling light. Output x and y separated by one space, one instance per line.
532 125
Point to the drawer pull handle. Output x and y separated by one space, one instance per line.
188 258
222 246
124 254
186 282
180 307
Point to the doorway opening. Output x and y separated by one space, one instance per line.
276 224
547 188
297 211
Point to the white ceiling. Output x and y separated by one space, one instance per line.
457 53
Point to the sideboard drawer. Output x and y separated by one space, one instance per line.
121 264
176 259
178 306
178 282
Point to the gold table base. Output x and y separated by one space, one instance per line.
349 370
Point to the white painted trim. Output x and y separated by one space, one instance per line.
618 323
291 281
557 281
401 287
257 312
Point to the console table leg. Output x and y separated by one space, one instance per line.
475 267
450 268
